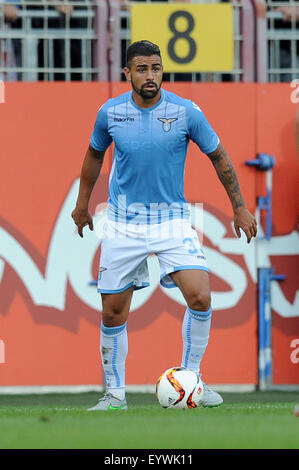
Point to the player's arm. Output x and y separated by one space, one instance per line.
91 168
226 173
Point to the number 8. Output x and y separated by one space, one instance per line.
181 35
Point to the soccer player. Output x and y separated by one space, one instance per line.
148 213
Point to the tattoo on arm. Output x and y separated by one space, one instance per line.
227 175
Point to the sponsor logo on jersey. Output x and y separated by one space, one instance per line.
167 123
124 119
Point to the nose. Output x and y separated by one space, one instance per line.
150 75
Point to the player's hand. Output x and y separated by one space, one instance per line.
64 9
11 12
289 12
245 220
82 217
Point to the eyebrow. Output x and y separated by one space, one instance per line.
145 65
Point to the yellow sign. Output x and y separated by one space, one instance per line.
191 37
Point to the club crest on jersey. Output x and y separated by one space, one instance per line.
167 123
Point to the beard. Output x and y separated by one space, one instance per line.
146 94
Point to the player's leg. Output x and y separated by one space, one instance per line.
116 307
195 287
123 268
183 264
114 340
114 348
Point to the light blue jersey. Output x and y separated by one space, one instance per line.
146 182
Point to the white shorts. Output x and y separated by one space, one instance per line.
126 247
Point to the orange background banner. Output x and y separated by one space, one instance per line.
50 315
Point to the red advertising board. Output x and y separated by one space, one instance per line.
49 312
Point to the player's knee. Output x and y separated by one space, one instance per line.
200 301
112 317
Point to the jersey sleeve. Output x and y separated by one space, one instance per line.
200 131
100 138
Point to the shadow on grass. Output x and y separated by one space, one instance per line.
86 399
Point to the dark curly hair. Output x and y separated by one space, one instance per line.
143 47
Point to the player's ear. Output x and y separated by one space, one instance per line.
127 73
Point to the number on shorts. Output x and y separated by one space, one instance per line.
190 245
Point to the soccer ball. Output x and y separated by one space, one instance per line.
179 387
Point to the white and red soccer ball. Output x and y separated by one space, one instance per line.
179 387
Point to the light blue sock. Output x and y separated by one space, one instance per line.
195 331
114 350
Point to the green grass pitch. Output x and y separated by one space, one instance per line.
258 420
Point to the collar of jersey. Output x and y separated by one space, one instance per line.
146 110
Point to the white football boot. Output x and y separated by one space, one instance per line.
210 398
109 402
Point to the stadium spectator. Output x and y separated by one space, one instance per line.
16 22
287 22
289 12
8 15
58 44
10 12
76 44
